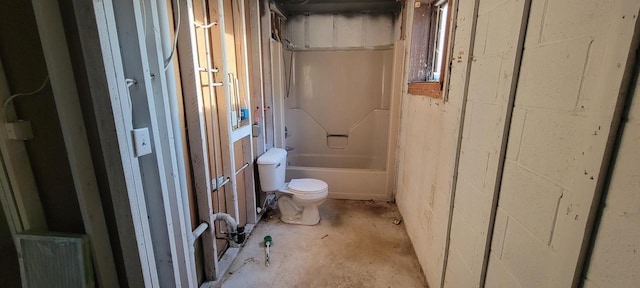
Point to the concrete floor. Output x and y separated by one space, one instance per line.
356 244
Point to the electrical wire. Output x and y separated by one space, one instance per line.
175 39
130 82
6 102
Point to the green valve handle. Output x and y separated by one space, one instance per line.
267 243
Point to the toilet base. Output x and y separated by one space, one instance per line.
294 213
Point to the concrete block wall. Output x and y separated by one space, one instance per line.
565 104
498 27
426 155
615 256
550 126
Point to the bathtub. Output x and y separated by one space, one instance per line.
348 177
340 122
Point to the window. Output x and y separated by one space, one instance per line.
428 47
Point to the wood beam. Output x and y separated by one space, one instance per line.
63 84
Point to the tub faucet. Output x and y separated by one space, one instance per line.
289 148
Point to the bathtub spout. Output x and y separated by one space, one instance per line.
289 148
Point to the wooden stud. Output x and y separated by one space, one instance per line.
63 84
195 113
106 77
21 190
267 82
428 89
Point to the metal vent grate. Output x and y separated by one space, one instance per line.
54 260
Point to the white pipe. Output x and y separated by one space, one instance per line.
232 225
210 79
198 232
174 108
167 46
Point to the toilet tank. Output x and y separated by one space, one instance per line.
271 168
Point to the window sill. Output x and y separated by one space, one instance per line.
428 89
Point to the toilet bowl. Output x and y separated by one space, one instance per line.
298 200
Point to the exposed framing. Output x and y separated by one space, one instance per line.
65 93
211 137
174 113
218 120
195 112
244 132
277 87
256 67
165 144
222 53
267 80
106 77
139 61
20 190
142 50
8 203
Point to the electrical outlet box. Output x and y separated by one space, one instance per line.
20 130
141 142
256 130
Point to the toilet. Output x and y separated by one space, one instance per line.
298 200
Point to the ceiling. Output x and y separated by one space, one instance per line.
293 7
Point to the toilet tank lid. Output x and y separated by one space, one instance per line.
272 156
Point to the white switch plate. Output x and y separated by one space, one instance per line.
141 142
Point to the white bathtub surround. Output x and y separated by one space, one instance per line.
344 183
340 117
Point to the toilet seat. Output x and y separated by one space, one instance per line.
307 188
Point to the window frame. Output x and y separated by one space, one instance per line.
433 89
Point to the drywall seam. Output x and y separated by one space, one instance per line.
506 129
465 93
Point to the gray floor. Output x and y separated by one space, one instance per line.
356 244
